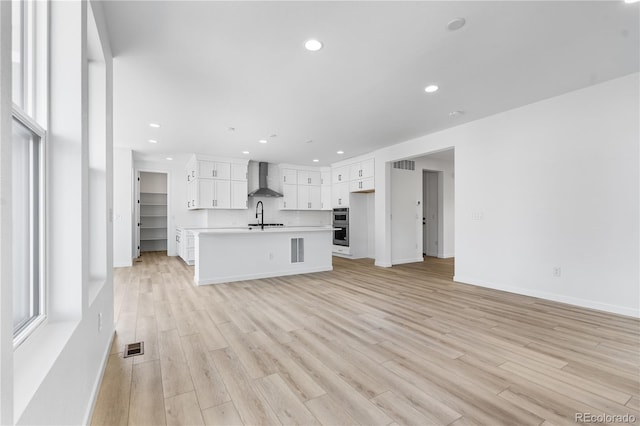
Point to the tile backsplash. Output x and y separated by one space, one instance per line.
272 214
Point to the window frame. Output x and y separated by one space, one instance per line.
37 216
32 113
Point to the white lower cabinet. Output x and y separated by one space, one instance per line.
179 242
185 246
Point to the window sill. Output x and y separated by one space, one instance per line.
34 358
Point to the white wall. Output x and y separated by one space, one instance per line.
361 225
122 207
555 183
6 281
58 369
153 182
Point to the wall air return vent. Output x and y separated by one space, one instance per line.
297 250
404 165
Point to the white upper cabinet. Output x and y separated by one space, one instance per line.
239 191
238 171
214 170
301 188
289 197
340 174
289 176
325 190
308 177
216 183
309 197
361 176
340 194
362 170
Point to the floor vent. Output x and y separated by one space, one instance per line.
133 349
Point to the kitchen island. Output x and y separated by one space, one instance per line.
237 254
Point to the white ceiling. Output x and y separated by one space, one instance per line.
198 68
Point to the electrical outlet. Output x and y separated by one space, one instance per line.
100 322
557 271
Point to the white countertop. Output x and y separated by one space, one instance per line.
257 230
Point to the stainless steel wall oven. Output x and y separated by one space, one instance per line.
341 225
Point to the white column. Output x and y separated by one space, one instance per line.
6 284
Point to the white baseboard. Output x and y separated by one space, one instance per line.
584 303
447 256
232 278
383 264
412 260
96 386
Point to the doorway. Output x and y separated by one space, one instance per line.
151 212
430 212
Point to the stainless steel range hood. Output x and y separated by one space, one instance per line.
263 190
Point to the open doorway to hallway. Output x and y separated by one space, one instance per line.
422 187
438 203
431 195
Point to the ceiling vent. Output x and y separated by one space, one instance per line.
404 165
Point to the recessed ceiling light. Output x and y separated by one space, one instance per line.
431 88
245 152
153 141
262 141
631 1
154 125
456 24
231 129
455 114
339 152
170 158
312 45
315 160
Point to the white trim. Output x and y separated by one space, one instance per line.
233 278
136 175
410 260
554 297
98 383
39 320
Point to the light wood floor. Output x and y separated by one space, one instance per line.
359 345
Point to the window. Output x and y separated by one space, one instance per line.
29 65
26 165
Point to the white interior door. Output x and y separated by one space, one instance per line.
430 213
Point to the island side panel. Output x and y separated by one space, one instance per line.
228 257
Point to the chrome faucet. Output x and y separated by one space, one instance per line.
259 203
